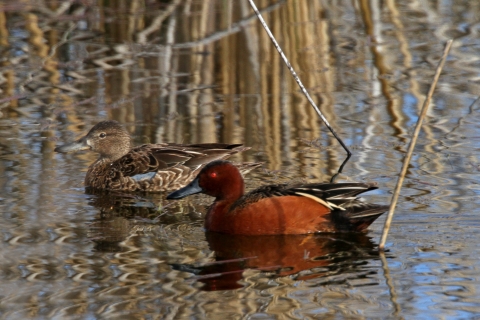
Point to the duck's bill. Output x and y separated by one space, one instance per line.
80 144
191 188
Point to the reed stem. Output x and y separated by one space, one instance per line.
295 76
408 157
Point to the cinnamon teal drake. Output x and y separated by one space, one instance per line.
280 209
149 167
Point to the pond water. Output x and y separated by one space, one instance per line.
205 71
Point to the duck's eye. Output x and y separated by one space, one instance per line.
102 135
213 175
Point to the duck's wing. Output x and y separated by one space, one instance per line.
333 195
201 154
340 198
152 158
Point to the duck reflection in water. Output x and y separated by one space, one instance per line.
120 214
303 257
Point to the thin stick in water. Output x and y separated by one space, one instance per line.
295 76
406 161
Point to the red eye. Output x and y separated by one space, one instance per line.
213 175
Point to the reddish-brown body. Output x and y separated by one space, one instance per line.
279 209
276 215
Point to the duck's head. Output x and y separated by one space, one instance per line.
219 179
108 138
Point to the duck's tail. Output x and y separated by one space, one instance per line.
348 211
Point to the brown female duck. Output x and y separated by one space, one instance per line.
149 167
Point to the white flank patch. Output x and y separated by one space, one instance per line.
329 205
363 215
342 198
350 188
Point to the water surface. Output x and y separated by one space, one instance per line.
205 71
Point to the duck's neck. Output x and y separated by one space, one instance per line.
217 216
233 191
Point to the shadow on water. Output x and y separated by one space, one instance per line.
302 256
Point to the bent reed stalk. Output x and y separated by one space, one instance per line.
297 79
408 157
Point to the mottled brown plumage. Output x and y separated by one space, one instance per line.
149 167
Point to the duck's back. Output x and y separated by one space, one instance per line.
158 167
